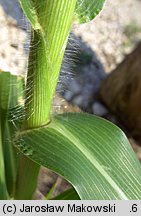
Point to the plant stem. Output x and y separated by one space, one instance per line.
46 54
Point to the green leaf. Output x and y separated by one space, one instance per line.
5 78
3 188
67 195
9 161
26 178
29 10
87 10
11 90
91 153
5 81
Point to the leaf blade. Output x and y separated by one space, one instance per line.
87 10
78 147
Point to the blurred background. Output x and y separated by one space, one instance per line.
101 72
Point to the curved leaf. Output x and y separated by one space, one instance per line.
87 10
90 152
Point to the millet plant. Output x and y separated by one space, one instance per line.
91 153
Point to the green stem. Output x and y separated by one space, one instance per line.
46 53
48 44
